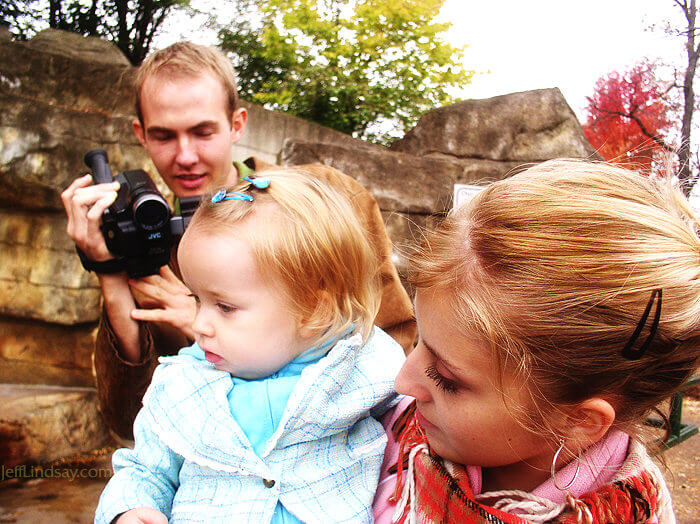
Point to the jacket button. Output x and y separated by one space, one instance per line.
268 483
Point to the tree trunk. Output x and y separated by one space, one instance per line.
684 152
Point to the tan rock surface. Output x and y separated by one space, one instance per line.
531 126
33 352
40 273
40 424
398 181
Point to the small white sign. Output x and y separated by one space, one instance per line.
463 193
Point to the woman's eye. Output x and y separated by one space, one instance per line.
445 384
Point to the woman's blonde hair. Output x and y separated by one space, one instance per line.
307 240
184 60
555 266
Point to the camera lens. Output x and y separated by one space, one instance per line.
151 212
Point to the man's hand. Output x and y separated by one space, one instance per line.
85 203
165 299
142 516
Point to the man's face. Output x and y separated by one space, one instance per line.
188 133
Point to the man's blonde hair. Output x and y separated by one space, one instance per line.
183 60
554 268
306 239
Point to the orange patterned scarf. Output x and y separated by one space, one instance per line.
430 490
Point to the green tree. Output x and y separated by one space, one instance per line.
130 24
352 65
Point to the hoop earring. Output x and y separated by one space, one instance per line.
553 469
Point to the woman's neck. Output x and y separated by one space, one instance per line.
522 476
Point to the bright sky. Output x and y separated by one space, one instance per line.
519 45
531 44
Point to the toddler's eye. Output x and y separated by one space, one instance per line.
225 308
196 299
445 384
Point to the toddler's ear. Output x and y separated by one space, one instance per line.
321 317
589 422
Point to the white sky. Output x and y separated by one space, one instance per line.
531 44
517 45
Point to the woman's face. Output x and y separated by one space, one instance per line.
459 403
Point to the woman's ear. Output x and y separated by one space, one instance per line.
588 423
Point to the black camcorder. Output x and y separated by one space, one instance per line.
138 227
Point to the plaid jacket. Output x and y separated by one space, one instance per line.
192 461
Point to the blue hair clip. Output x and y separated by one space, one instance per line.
222 195
258 182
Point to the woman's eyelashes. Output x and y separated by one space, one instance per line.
445 384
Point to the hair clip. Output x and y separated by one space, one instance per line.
635 354
258 182
222 195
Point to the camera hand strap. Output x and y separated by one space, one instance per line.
105 267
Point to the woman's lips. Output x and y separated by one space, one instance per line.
212 357
423 421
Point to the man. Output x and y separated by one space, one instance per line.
188 120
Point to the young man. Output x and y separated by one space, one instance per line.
188 120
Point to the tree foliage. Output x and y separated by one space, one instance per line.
628 117
347 64
130 24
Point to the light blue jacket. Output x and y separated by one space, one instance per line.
193 462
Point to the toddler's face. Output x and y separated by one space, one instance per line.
243 323
450 373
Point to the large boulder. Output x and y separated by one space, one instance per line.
34 352
531 126
55 106
40 274
40 424
400 182
75 46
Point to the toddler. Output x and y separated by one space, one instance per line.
269 416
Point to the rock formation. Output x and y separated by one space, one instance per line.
520 127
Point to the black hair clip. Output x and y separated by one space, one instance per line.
635 354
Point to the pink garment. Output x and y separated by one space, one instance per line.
382 508
598 466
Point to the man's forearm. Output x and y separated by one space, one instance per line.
118 304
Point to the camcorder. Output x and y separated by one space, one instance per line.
139 227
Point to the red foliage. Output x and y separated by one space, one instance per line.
622 107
